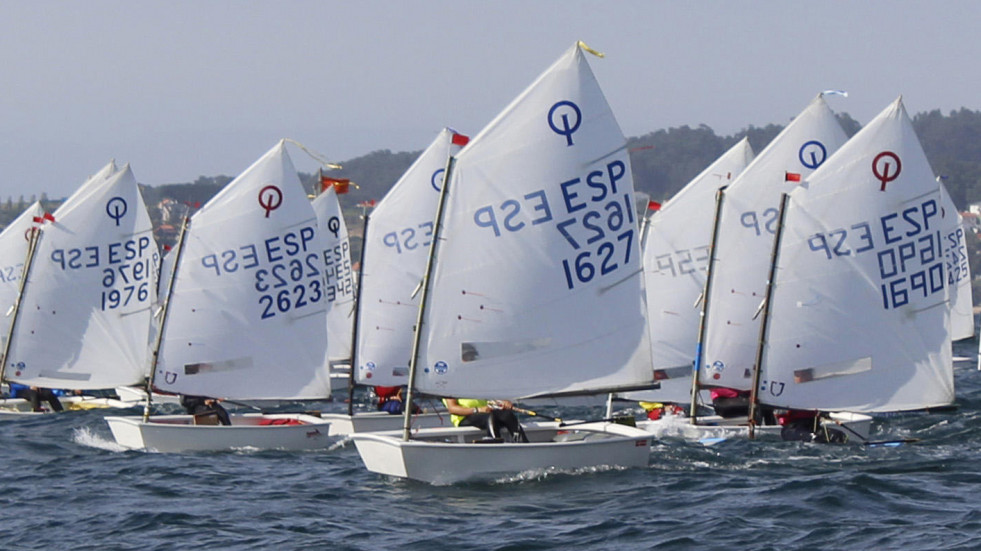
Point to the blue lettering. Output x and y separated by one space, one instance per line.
391 239
510 216
541 206
272 249
229 265
58 256
568 196
888 229
409 235
489 221
616 170
211 261
591 182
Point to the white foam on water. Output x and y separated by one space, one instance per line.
85 437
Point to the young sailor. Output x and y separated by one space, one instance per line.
479 413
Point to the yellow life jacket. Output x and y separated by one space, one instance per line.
467 403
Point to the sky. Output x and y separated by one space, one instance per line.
187 88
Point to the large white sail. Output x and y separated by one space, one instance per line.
958 269
13 252
338 275
858 318
746 227
676 253
396 248
247 316
538 286
85 312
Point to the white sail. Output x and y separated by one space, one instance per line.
676 253
396 248
858 319
958 269
538 286
13 251
742 253
338 274
247 318
85 311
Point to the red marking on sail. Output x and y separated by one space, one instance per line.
49 217
653 205
368 203
38 219
460 139
791 177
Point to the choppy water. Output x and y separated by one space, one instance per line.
66 485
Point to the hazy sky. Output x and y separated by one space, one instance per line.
181 89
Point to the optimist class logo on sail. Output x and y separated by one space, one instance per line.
590 211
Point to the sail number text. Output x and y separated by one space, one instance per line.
127 268
287 274
340 278
907 249
592 215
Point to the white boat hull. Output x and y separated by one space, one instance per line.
451 455
342 424
178 433
18 407
856 426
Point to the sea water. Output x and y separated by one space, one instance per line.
65 484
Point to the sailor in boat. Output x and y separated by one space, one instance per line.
729 403
34 395
805 426
202 405
390 400
491 417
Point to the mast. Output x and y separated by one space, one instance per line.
430 264
163 320
28 262
357 318
754 391
702 315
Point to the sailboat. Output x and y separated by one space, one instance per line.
958 268
244 319
340 288
857 317
676 250
533 287
398 234
80 318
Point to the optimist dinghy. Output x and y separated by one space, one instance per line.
79 310
534 287
245 318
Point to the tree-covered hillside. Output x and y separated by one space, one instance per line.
663 162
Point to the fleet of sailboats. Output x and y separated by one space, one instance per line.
825 274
